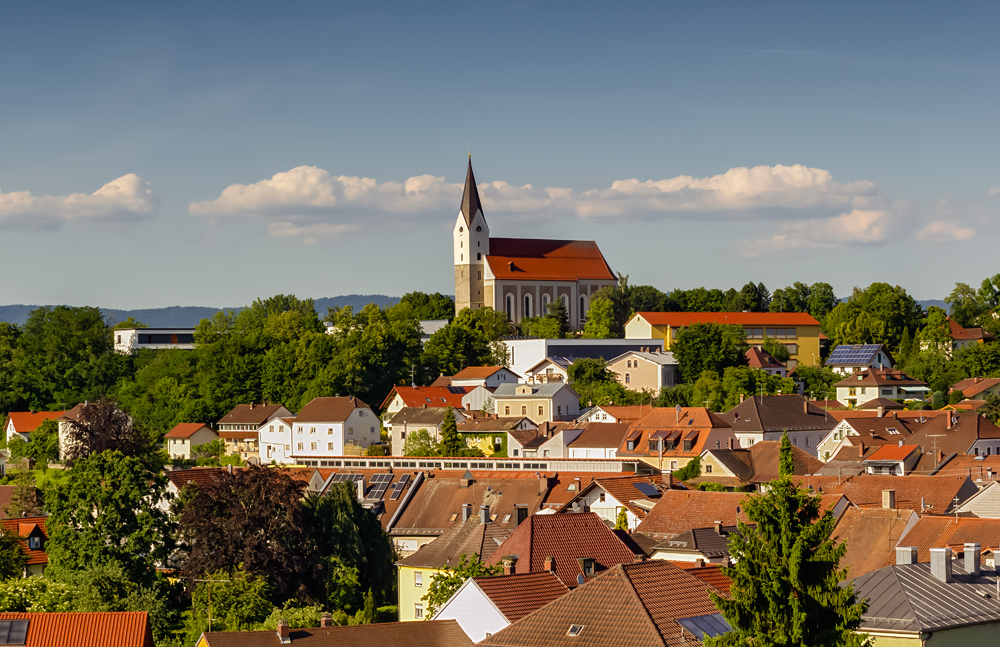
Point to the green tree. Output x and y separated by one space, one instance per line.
936 333
786 460
106 513
978 360
451 443
10 398
12 557
420 443
818 381
690 470
707 392
36 595
237 601
431 307
965 305
955 396
699 300
776 349
43 447
991 409
24 500
646 298
600 319
876 315
821 300
445 582
709 347
129 322
794 298
541 327
621 522
786 578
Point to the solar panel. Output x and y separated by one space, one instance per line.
13 632
647 489
701 626
399 486
858 353
380 483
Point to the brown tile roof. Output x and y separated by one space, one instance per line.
24 527
777 413
683 319
871 535
566 538
196 475
966 465
624 490
678 511
880 377
967 405
630 604
487 425
469 538
250 414
249 434
518 595
958 333
430 633
441 380
86 629
760 358
547 260
973 386
766 455
186 430
885 403
865 490
26 422
600 434
329 409
476 372
428 396
691 424
710 574
935 434
930 532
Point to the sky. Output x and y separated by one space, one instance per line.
159 154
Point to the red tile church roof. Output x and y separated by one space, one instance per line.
547 260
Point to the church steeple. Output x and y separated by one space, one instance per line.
470 198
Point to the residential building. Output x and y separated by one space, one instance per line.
598 440
239 428
949 530
798 331
977 388
848 359
70 628
615 413
865 431
984 504
645 370
708 545
954 433
678 511
548 440
549 402
549 369
523 353
607 497
756 465
569 545
769 417
522 276
433 633
653 603
871 535
762 360
275 438
962 337
410 419
928 495
485 605
128 340
333 426
879 383
488 376
894 460
22 423
667 438
7 492
184 437
490 433
422 396
33 538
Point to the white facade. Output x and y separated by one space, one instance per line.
605 506
184 447
502 376
335 438
474 612
546 371
555 447
130 339
592 452
276 441
526 353
478 399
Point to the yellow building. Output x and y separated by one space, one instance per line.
798 331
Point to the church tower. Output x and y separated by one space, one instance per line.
472 245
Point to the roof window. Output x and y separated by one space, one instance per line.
574 630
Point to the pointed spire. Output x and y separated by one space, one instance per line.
470 198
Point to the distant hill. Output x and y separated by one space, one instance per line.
189 316
933 302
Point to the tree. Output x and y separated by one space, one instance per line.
955 396
600 319
237 601
776 349
10 398
620 309
936 333
978 360
821 300
786 578
24 500
991 409
560 314
818 381
690 470
129 322
621 522
541 327
709 347
106 512
445 582
876 315
102 426
786 460
12 557
252 520
646 298
451 443
420 443
43 447
965 305
429 306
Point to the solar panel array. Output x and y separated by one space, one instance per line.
399 486
380 483
340 477
705 626
856 354
647 488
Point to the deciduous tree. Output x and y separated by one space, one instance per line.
709 347
445 582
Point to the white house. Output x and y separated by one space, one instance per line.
22 423
479 398
598 440
879 383
550 440
338 426
275 437
182 439
550 369
607 497
523 354
131 339
488 376
848 359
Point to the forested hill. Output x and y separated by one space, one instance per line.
189 316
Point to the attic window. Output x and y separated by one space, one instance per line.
454 516
506 519
574 630
571 487
892 430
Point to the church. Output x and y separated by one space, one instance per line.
522 276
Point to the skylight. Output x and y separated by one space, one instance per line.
574 630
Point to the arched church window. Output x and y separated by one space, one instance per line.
479 256
510 307
545 302
527 306
461 257
583 306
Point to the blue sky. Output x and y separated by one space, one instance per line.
212 153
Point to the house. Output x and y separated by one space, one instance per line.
239 428
869 431
129 340
931 495
485 605
549 369
410 419
489 434
488 376
71 628
22 423
275 438
954 433
962 337
762 360
598 440
33 537
945 602
185 436
798 331
708 545
871 535
756 465
879 383
418 397
645 370
848 359
476 536
434 633
643 603
572 546
893 459
678 511
977 388
549 402
523 353
616 413
984 504
522 276
769 417
333 426
949 530
548 440
667 438
607 497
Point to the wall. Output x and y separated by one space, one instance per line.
409 594
475 613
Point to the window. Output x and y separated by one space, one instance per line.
524 411
545 453
301 446
312 430
574 631
808 441
479 228
541 410
479 256
628 363
329 431
527 306
118 339
312 446
673 465
300 430
506 411
418 611
583 306
795 440
515 452
418 578
329 447
350 431
600 497
479 274
270 428
628 379
545 302
559 409
509 306
708 468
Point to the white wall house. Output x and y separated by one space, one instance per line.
275 438
182 439
131 339
475 613
338 426
480 398
22 423
488 376
523 354
550 369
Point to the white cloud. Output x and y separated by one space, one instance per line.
309 203
994 191
127 198
945 231
856 227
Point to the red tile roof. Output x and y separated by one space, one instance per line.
958 333
518 595
329 409
710 574
893 452
565 538
691 424
623 489
607 435
625 413
865 490
185 430
196 475
973 386
86 629
763 319
681 510
26 422
430 633
476 372
430 396
871 535
760 358
930 532
547 260
23 527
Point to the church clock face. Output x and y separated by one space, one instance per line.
479 228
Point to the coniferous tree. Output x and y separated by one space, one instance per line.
786 464
451 443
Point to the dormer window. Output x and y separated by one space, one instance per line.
34 543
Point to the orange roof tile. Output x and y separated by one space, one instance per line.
476 372
871 535
763 319
547 260
710 574
691 424
518 595
678 511
23 527
430 396
86 629
893 452
186 430
26 422
332 409
930 532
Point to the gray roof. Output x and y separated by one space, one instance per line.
704 541
420 416
546 390
907 598
663 359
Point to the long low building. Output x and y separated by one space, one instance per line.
128 340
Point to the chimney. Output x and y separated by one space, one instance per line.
888 499
894 414
741 398
941 564
466 511
805 405
543 485
484 513
361 489
861 450
989 473
729 442
880 411
229 468
906 555
700 562
718 527
509 564
284 636
667 479
251 406
549 564
325 620
971 558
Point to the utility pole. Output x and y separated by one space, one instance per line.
210 600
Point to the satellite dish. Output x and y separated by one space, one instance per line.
580 579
